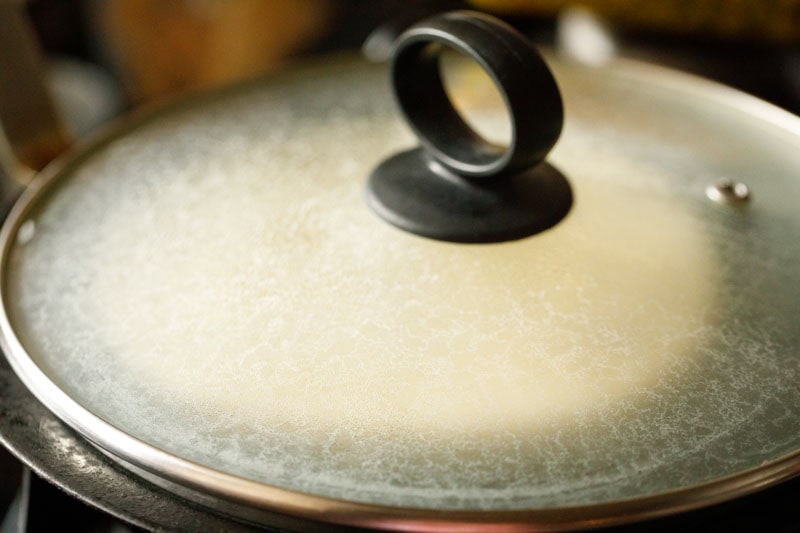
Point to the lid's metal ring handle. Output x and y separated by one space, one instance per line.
519 73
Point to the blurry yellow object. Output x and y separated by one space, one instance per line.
767 20
162 47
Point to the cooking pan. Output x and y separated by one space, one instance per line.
268 301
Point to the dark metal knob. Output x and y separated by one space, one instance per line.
457 186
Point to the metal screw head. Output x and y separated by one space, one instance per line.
727 191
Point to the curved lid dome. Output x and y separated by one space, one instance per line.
210 282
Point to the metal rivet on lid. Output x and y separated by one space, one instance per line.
26 232
727 191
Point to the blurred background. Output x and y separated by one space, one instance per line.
106 57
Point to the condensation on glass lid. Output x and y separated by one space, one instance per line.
193 307
244 306
277 330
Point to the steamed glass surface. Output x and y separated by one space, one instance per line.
214 284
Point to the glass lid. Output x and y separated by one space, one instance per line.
210 283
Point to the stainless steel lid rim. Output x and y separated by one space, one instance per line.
163 465
228 486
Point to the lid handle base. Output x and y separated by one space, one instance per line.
413 192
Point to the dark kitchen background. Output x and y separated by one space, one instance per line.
105 57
